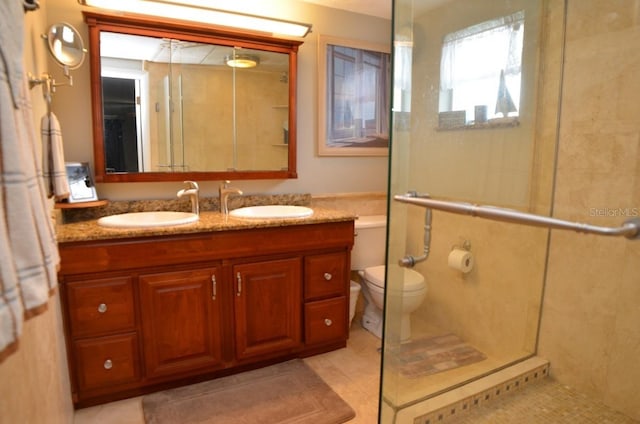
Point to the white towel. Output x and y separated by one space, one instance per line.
28 251
55 173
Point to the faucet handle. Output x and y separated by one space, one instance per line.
192 184
225 184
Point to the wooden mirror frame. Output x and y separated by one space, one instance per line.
182 30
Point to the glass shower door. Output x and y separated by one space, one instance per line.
475 109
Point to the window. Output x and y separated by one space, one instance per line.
354 98
481 70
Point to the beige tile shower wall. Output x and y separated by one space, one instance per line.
488 165
495 306
591 311
261 111
207 117
546 129
356 203
260 118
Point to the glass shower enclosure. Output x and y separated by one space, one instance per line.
476 87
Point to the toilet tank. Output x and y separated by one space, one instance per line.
369 242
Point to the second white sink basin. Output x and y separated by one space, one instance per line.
147 219
272 212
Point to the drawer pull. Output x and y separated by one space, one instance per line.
108 364
328 276
328 322
239 286
102 308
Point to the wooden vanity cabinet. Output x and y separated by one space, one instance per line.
147 313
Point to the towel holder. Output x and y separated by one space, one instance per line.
48 86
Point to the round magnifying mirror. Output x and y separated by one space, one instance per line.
66 45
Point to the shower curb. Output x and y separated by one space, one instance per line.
452 405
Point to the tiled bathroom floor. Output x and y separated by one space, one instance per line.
352 372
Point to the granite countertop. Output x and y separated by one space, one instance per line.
209 221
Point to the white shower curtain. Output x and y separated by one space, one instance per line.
28 250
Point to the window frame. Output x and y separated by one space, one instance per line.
326 147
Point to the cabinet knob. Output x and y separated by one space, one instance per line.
102 308
327 276
328 322
108 364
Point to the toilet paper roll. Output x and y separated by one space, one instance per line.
461 260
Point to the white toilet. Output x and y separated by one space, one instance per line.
368 258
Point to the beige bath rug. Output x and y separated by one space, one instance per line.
289 393
431 355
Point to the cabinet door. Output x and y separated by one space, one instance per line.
268 303
180 321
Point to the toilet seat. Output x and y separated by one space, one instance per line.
413 280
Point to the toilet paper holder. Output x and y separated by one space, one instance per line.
466 245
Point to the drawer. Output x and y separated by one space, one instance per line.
107 361
325 321
100 306
325 275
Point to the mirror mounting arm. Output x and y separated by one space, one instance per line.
70 55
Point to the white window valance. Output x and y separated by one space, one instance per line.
474 58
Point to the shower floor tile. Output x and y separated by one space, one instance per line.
401 390
546 401
431 355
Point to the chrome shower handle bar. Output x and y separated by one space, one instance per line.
629 229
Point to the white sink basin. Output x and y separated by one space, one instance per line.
272 212
147 219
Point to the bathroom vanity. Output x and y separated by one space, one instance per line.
149 309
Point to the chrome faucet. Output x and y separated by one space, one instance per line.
225 191
192 192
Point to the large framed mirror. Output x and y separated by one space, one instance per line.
175 100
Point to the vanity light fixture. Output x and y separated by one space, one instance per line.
190 11
242 60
